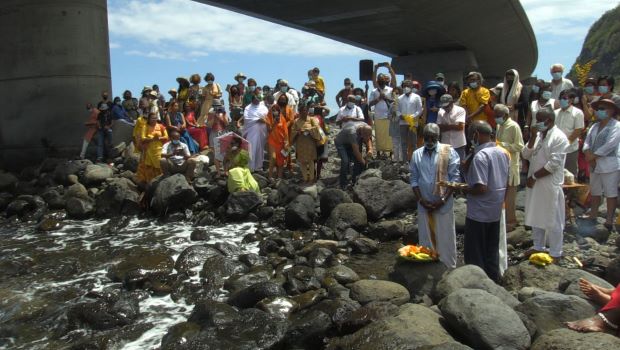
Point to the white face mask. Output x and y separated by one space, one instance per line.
350 104
432 92
407 90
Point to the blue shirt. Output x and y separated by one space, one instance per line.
423 168
119 113
489 167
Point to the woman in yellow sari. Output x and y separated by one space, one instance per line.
153 137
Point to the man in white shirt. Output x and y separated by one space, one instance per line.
409 108
175 158
451 120
570 120
350 112
558 82
544 198
380 101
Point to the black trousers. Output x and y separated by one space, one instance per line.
482 246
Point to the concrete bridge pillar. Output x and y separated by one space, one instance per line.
55 58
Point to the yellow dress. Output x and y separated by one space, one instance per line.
137 133
150 167
471 100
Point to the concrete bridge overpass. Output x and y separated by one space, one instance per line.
55 54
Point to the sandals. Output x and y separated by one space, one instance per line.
586 217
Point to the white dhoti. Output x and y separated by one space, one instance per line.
445 233
503 246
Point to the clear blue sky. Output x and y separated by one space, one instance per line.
154 42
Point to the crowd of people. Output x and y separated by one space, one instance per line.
477 142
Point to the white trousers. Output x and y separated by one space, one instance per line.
554 238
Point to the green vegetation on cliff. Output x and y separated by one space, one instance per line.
603 45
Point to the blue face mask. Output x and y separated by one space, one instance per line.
473 84
176 142
499 121
284 89
564 103
601 114
541 126
603 89
589 90
557 75
535 89
547 95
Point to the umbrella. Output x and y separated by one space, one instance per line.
223 143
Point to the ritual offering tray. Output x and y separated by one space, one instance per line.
417 254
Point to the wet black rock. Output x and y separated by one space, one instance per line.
281 307
388 230
179 334
49 224
251 295
307 329
73 167
80 208
363 245
319 257
612 272
251 259
7 181
300 212
240 204
200 234
287 191
419 279
238 282
172 193
104 314
54 197
194 256
141 265
253 329
300 279
208 313
227 248
119 196
217 268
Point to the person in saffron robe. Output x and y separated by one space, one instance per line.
277 124
153 137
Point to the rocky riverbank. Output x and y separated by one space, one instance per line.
291 268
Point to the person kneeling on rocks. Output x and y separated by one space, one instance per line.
175 158
240 177
608 317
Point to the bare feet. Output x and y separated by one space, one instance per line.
592 324
593 292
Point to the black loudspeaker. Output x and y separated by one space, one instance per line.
366 68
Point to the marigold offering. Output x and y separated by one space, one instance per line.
417 253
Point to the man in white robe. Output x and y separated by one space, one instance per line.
255 129
544 198
429 164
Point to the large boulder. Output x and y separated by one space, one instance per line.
194 256
419 279
140 266
251 295
287 191
300 212
64 170
104 314
366 291
484 320
95 174
472 277
80 208
251 329
550 310
388 230
119 196
565 339
347 215
612 272
7 181
381 198
173 193
415 326
329 200
527 274
240 204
